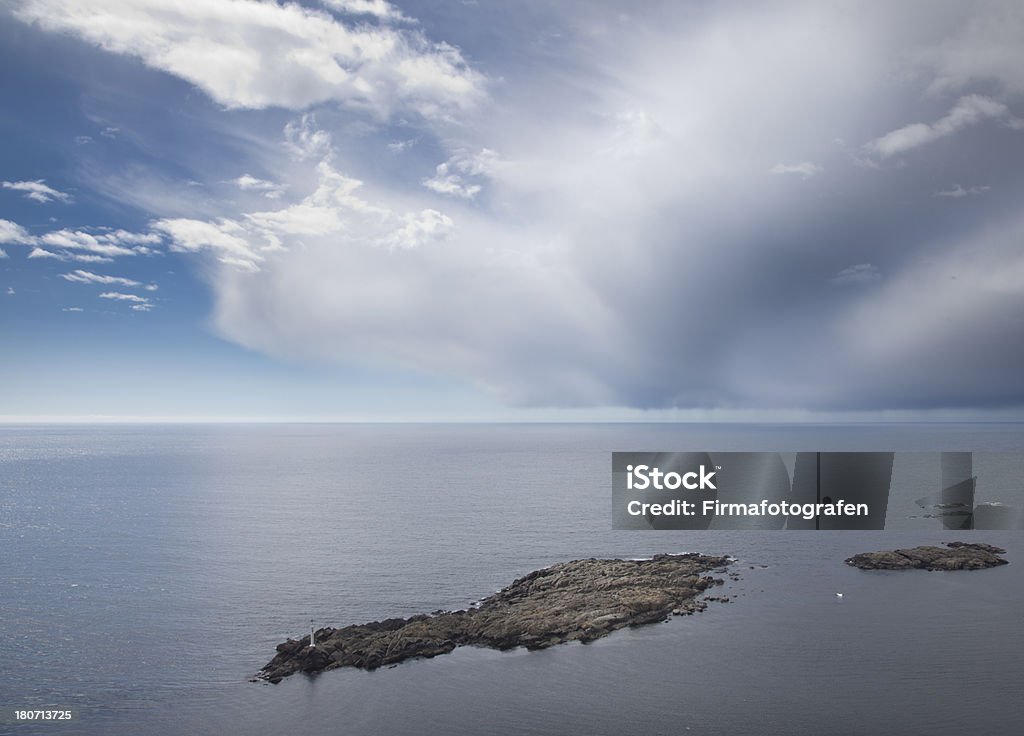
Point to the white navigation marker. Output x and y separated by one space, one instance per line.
312 633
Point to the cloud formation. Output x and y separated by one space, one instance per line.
628 247
419 230
123 297
38 191
73 244
635 255
379 9
80 276
253 54
804 169
136 303
68 256
12 232
968 110
225 237
462 174
334 209
249 183
98 245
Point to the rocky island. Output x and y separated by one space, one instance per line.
954 556
580 600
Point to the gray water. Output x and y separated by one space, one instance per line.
146 572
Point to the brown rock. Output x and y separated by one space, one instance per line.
582 600
954 556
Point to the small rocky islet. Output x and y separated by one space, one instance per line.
953 556
582 600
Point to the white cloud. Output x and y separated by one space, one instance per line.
142 307
12 232
956 192
225 238
10 291
445 183
306 218
251 54
325 210
249 183
305 139
333 209
88 258
120 296
419 230
102 243
43 253
38 252
98 246
804 169
377 8
72 309
452 176
969 110
858 275
80 240
87 277
317 214
3 253
139 241
38 191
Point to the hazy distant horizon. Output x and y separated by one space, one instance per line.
771 421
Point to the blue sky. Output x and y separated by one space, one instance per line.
351 209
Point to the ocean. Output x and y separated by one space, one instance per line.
148 571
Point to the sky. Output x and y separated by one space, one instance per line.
456 210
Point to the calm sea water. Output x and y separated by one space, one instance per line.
146 572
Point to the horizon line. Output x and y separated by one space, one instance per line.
56 420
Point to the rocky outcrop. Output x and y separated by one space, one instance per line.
954 556
581 600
